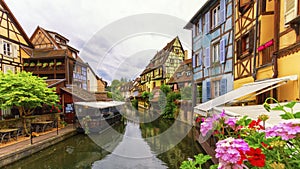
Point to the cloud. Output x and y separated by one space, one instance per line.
111 35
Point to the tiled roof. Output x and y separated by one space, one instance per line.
184 67
79 93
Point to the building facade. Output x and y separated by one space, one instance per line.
162 66
212 57
55 59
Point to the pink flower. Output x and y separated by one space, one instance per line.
231 121
287 129
230 150
208 123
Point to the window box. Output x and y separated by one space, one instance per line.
58 63
39 64
45 65
25 64
51 64
32 64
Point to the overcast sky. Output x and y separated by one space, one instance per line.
116 37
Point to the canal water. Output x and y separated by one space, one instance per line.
136 146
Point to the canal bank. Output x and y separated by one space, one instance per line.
21 149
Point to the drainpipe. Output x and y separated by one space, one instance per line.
255 40
276 36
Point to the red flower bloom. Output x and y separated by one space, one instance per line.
255 125
198 120
243 157
255 157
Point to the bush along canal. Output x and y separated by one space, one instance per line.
128 144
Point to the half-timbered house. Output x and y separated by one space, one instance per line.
212 57
162 66
14 44
55 59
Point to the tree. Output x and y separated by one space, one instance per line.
25 92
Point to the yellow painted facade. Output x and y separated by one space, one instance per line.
162 67
12 37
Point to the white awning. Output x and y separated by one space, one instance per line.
100 105
242 91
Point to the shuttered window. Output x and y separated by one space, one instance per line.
223 86
215 16
200 58
222 50
290 10
194 61
208 95
207 23
222 11
207 57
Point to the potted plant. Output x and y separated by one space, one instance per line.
51 63
58 63
32 64
26 64
45 64
39 64
63 123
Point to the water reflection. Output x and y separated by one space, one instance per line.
137 145
132 152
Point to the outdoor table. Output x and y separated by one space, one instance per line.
9 132
42 124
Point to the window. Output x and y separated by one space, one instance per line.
6 68
216 53
176 51
216 88
215 15
290 10
188 73
179 74
7 49
245 45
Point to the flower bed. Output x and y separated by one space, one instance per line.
246 143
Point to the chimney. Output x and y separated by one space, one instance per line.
186 54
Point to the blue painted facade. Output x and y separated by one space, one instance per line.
212 31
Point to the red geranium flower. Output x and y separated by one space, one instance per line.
256 157
255 125
243 157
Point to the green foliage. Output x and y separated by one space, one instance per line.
186 93
134 103
165 89
171 108
117 96
287 114
197 163
109 94
25 91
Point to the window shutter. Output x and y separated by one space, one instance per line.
222 11
194 61
290 10
222 50
207 57
208 90
15 50
193 31
239 48
1 47
223 86
200 58
200 26
251 40
207 22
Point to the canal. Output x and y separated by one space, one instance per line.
128 144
